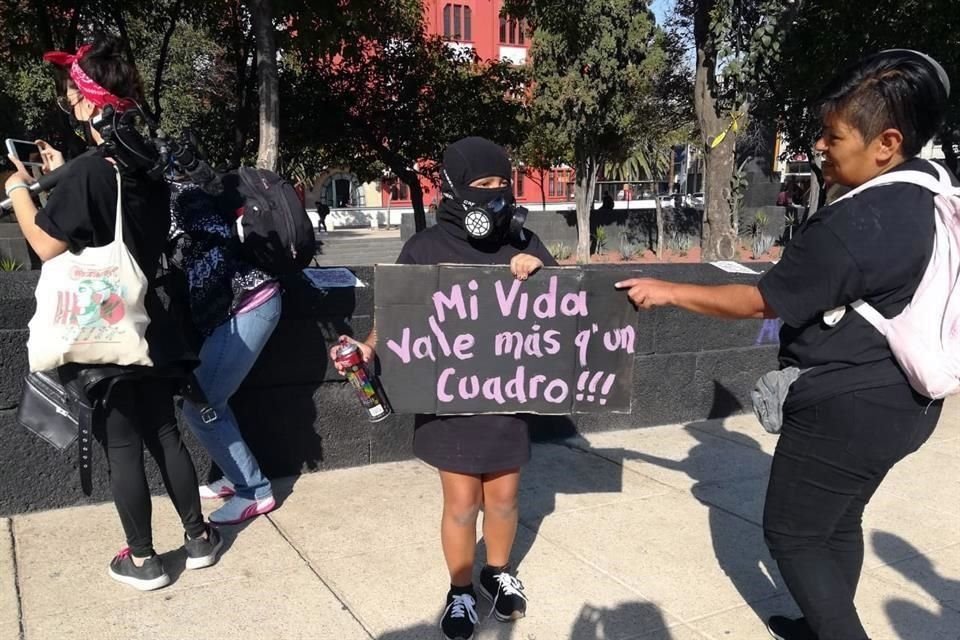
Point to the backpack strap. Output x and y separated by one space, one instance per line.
942 186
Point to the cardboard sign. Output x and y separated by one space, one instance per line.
455 339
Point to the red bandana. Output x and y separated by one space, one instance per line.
88 88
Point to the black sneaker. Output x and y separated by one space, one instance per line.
784 628
147 577
460 617
505 592
202 552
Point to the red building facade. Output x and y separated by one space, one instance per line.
477 24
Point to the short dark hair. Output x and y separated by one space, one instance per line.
889 90
107 64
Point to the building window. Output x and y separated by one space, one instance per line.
560 184
457 22
399 191
512 31
518 184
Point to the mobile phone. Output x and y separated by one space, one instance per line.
27 152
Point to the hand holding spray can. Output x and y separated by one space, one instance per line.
363 381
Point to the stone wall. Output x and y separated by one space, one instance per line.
299 416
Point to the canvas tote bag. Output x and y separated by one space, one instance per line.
90 307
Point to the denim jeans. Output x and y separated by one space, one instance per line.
226 358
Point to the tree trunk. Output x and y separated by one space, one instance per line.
660 228
718 240
164 54
269 84
124 34
586 175
948 141
416 199
817 193
245 77
543 191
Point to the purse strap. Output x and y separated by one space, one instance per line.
118 226
85 463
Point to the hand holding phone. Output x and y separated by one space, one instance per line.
52 159
28 153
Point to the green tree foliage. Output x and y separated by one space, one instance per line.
595 67
384 95
829 35
737 43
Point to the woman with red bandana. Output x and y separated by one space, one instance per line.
137 402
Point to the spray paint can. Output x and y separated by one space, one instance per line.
363 381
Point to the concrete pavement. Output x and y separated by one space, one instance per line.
649 534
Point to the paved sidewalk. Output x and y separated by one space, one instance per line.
648 534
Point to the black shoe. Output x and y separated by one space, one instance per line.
505 592
460 617
146 577
202 552
784 628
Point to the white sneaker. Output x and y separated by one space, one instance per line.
222 488
237 510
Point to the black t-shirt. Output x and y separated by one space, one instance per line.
874 246
480 443
81 211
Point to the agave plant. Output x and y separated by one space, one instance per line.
9 264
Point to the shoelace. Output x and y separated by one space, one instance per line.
463 606
124 553
509 586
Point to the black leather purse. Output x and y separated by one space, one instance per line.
61 414
47 410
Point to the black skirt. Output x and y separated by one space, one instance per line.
472 444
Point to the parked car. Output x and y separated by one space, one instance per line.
695 199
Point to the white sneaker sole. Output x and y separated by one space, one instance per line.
140 585
254 510
207 560
496 614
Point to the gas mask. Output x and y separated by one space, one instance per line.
488 214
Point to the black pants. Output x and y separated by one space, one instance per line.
829 461
140 412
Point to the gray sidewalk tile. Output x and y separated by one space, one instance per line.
350 512
949 447
887 614
927 477
748 621
934 573
288 605
400 595
92 535
683 456
692 559
679 632
898 614
742 429
9 604
563 478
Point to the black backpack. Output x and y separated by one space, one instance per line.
275 230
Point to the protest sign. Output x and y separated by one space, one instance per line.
456 339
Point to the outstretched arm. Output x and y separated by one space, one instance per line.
735 301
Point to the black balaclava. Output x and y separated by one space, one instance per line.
463 162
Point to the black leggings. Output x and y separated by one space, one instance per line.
829 461
140 412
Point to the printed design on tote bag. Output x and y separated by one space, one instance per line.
92 306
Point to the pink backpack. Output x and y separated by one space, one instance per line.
925 336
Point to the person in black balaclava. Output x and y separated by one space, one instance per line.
479 456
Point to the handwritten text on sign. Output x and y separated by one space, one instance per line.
459 339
